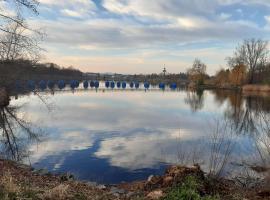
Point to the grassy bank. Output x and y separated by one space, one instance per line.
178 183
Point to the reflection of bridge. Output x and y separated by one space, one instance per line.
42 85
82 90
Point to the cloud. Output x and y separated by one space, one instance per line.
160 8
71 8
173 8
116 33
64 3
225 16
71 13
86 32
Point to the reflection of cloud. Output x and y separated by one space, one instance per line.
142 149
60 144
131 130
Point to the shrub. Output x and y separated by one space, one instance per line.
188 190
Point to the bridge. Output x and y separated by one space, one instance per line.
42 85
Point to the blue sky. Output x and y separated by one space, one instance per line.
140 36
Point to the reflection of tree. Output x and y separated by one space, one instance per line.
263 140
195 100
239 111
244 111
259 161
16 134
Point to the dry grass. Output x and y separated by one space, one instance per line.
9 183
8 186
256 88
59 192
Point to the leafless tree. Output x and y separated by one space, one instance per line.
252 53
198 67
197 72
17 8
17 39
19 43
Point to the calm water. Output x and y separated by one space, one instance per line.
116 136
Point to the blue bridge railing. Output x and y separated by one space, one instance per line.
42 85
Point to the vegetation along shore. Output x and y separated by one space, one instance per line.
18 181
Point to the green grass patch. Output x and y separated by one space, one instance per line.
188 190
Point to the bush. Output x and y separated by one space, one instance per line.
188 190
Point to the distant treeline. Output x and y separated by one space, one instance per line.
154 79
249 65
21 70
167 78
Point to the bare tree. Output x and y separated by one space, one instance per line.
19 43
252 53
17 39
197 72
17 6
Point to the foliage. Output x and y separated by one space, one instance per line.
189 190
197 72
234 77
222 77
252 53
238 75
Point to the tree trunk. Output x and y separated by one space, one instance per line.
4 98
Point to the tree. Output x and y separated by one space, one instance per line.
222 77
238 75
18 40
252 53
18 7
18 43
197 72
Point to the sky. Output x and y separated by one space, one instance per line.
141 36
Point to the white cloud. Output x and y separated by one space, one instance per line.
225 16
63 3
70 13
139 25
159 8
173 8
122 34
267 18
71 8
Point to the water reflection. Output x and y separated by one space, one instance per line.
115 136
16 134
245 111
195 99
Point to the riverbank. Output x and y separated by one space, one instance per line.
256 88
244 88
19 181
